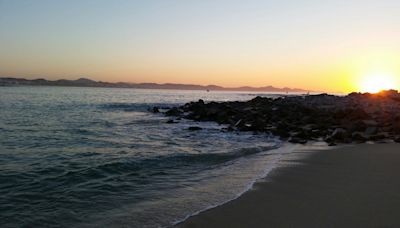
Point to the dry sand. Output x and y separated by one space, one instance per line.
354 186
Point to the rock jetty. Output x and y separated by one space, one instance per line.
355 118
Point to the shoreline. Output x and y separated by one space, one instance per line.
85 82
349 186
289 150
292 153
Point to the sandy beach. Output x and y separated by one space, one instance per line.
351 186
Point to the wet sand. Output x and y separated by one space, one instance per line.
352 186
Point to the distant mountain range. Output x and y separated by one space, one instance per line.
84 82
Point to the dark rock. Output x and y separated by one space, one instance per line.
156 110
396 126
237 123
370 123
229 128
378 137
174 112
298 134
339 134
336 119
258 100
171 122
354 126
281 132
359 137
356 114
297 140
194 128
371 130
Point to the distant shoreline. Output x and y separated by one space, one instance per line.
84 82
257 93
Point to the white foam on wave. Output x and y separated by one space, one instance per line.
281 152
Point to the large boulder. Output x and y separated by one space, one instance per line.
174 112
370 123
155 110
359 137
297 140
358 125
339 134
371 130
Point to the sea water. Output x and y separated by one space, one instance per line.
96 157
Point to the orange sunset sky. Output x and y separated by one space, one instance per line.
335 46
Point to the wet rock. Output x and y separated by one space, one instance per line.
174 112
378 137
193 128
332 144
284 134
359 137
300 134
156 110
229 128
297 140
238 123
339 134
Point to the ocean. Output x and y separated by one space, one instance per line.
96 157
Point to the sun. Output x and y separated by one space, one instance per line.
375 83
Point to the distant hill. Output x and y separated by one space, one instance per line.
84 82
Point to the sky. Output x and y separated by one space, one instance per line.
332 46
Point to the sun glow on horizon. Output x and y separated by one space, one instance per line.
374 83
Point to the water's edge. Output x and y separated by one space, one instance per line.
295 152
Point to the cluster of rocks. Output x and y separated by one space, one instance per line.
335 119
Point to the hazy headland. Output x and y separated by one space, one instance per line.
84 82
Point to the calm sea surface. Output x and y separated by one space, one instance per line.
95 157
